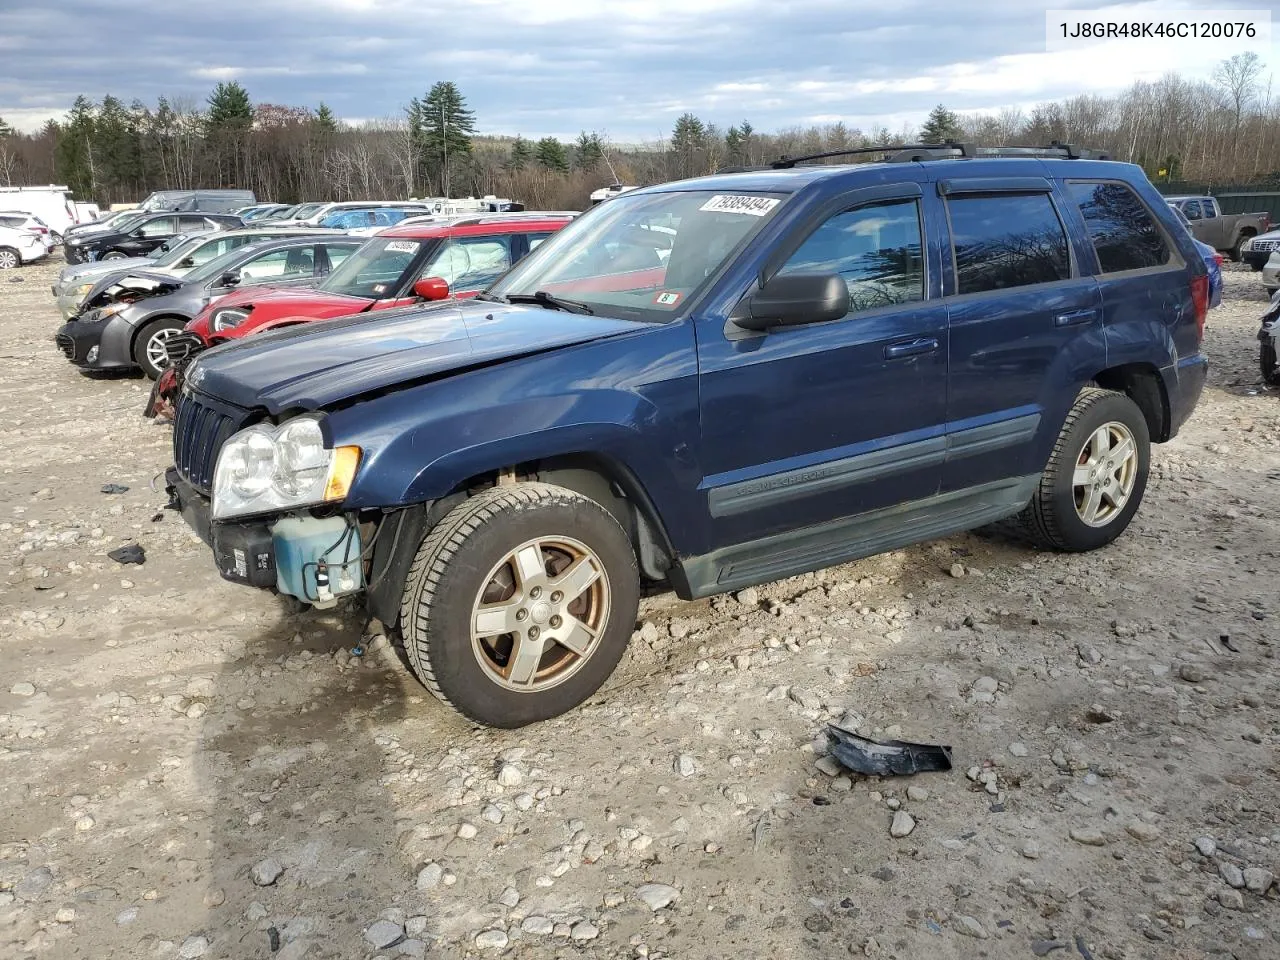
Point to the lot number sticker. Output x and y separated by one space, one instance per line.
403 246
728 203
668 298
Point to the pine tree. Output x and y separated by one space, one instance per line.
521 154
688 141
5 129
73 155
229 108
588 151
551 154
324 119
942 125
444 127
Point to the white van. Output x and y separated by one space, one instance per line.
52 204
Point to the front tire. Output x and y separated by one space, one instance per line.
519 604
1237 252
1096 475
1267 363
148 348
112 255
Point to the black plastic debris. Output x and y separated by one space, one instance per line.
273 939
130 553
114 488
890 758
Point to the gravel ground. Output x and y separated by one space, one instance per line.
187 769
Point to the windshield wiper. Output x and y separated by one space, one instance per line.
491 298
544 299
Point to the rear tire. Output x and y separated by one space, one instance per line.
520 603
1091 487
148 347
9 258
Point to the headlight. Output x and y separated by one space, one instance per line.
76 241
110 310
265 468
229 319
82 290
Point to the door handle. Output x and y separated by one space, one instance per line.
911 348
1075 317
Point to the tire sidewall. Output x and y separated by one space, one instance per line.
1074 533
443 632
112 255
144 337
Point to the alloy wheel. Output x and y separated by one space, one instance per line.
1105 473
540 614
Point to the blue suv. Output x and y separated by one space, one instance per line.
711 383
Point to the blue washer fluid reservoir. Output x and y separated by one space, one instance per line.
303 544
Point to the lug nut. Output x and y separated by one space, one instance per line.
557 596
536 592
555 622
533 633
522 613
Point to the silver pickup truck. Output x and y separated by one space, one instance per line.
1227 232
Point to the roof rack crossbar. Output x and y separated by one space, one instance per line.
951 149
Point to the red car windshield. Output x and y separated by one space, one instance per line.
376 271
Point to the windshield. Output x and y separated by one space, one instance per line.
172 250
375 271
642 256
306 210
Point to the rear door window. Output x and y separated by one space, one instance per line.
1003 241
159 227
1124 233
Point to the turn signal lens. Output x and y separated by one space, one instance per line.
342 473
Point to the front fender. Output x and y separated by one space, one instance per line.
630 400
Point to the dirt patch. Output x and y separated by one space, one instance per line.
188 769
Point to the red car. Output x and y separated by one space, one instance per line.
396 268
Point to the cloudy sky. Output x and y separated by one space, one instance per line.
625 68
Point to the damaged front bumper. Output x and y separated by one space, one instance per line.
97 344
316 560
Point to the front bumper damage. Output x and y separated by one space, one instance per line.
97 344
298 555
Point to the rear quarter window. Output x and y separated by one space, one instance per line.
1007 240
1124 233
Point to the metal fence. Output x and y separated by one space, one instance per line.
1231 197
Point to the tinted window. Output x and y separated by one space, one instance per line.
287 264
160 227
1123 231
1192 209
11 221
1207 208
1007 241
875 250
192 223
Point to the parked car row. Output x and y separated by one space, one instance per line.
491 430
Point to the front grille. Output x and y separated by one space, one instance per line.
183 346
1264 245
66 345
199 431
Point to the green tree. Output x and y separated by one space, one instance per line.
444 127
550 153
588 151
324 119
5 129
688 141
227 126
941 126
74 153
521 154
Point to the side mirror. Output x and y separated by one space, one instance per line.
794 299
229 279
431 288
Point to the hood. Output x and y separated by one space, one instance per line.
98 268
129 287
315 365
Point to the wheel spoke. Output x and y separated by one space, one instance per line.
529 563
1121 453
581 575
1099 443
1089 512
495 619
578 638
1081 477
522 666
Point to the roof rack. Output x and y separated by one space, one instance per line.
951 149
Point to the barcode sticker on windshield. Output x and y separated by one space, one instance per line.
727 203
403 246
